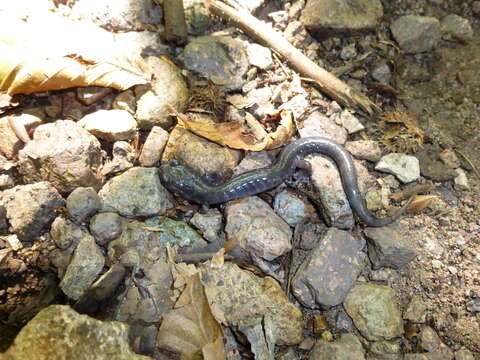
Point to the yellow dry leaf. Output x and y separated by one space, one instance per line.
420 202
190 330
237 135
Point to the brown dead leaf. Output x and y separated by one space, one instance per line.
420 202
190 329
238 135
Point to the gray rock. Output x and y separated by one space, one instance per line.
106 227
63 153
429 339
461 180
464 354
58 332
326 179
168 89
416 310
65 233
382 73
222 59
343 321
330 270
108 282
444 353
83 203
256 228
136 192
374 311
348 347
3 217
209 224
31 208
364 149
317 124
253 160
86 265
291 208
260 98
123 158
385 350
387 247
153 148
456 27
416 34
473 305
298 105
197 17
111 125
405 167
348 52
431 166
259 56
327 17
348 121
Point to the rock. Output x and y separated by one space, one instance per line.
209 224
10 144
256 228
202 155
108 282
260 98
405 167
91 94
63 153
385 350
3 218
416 311
291 208
259 56
297 105
253 160
473 305
136 192
332 17
83 203
449 158
86 265
125 101
123 157
416 34
374 311
464 354
330 270
311 235
197 17
348 52
222 59
431 166
13 242
58 332
296 9
317 124
348 121
168 89
387 247
240 297
6 181
429 339
348 347
461 181
106 226
373 199
382 73
327 181
110 125
280 18
65 233
457 28
30 208
153 147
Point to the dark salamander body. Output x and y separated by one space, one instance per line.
181 179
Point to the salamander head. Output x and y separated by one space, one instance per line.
178 178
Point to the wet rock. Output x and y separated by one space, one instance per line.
382 73
222 59
317 124
374 311
168 88
456 27
387 247
464 354
123 158
209 224
63 153
125 101
108 282
256 228
6 181
348 121
259 56
200 154
461 180
346 348
431 166
330 17
58 332
86 265
91 94
330 270
110 125
153 148
65 233
385 350
136 192
240 297
416 311
326 179
10 144
106 227
30 208
405 167
291 208
83 203
416 34
253 160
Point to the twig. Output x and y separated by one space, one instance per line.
175 25
412 190
265 34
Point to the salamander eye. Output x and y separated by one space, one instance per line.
175 162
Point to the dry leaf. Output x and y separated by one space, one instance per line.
237 135
191 330
420 202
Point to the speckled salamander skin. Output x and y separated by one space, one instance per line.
184 181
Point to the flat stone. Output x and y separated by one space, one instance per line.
106 226
110 125
65 233
291 208
364 149
317 124
83 203
348 347
259 56
405 167
456 27
153 147
461 180
416 310
416 34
